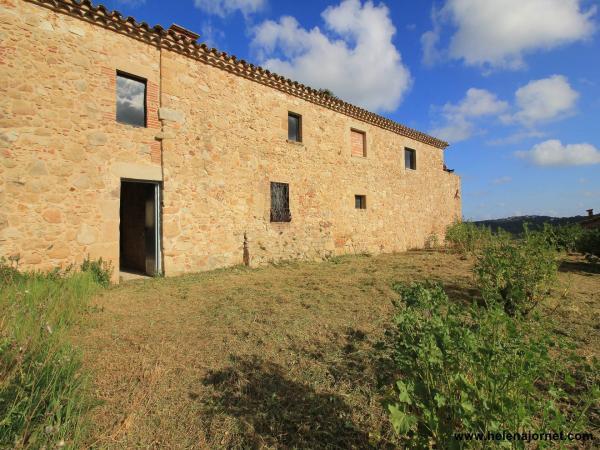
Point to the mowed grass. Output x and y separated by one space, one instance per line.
287 356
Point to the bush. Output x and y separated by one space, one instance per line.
43 391
475 370
589 242
516 274
562 237
101 270
8 272
466 237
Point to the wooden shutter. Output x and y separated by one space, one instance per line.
358 143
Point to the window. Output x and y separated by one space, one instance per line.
359 143
294 127
280 202
131 100
360 201
410 159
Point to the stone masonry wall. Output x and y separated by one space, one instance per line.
62 153
224 139
230 141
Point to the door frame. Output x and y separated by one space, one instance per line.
158 265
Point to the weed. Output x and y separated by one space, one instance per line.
562 237
43 392
476 370
101 270
588 242
432 241
516 274
466 237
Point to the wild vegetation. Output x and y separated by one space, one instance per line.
588 243
516 273
388 351
466 237
468 368
43 390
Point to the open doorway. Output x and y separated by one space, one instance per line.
140 227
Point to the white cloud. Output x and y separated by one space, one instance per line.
211 36
431 39
517 137
539 101
544 100
223 8
554 153
502 180
499 33
353 56
459 117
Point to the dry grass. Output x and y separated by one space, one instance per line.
275 357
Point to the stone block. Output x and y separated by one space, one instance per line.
97 138
171 115
52 215
86 235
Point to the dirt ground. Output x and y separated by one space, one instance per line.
282 356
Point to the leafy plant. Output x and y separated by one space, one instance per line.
588 242
432 241
9 272
516 274
562 237
43 390
466 237
475 370
101 270
327 93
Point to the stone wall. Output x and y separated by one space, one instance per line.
62 152
223 140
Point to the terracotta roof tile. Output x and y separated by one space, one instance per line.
183 42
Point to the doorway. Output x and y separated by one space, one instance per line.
139 228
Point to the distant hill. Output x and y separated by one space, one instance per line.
515 224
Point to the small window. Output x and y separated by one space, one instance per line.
280 202
359 143
410 159
360 201
294 127
131 100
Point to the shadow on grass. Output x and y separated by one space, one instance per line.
462 294
363 363
579 267
273 410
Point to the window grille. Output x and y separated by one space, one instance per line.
280 202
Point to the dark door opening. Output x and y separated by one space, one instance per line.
140 227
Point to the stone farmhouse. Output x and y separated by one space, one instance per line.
139 145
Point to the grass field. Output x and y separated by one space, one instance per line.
281 356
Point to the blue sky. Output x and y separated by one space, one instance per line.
513 85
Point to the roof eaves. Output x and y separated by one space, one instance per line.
184 43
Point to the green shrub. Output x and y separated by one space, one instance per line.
466 237
562 237
43 391
476 370
101 270
589 242
432 241
516 274
8 272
